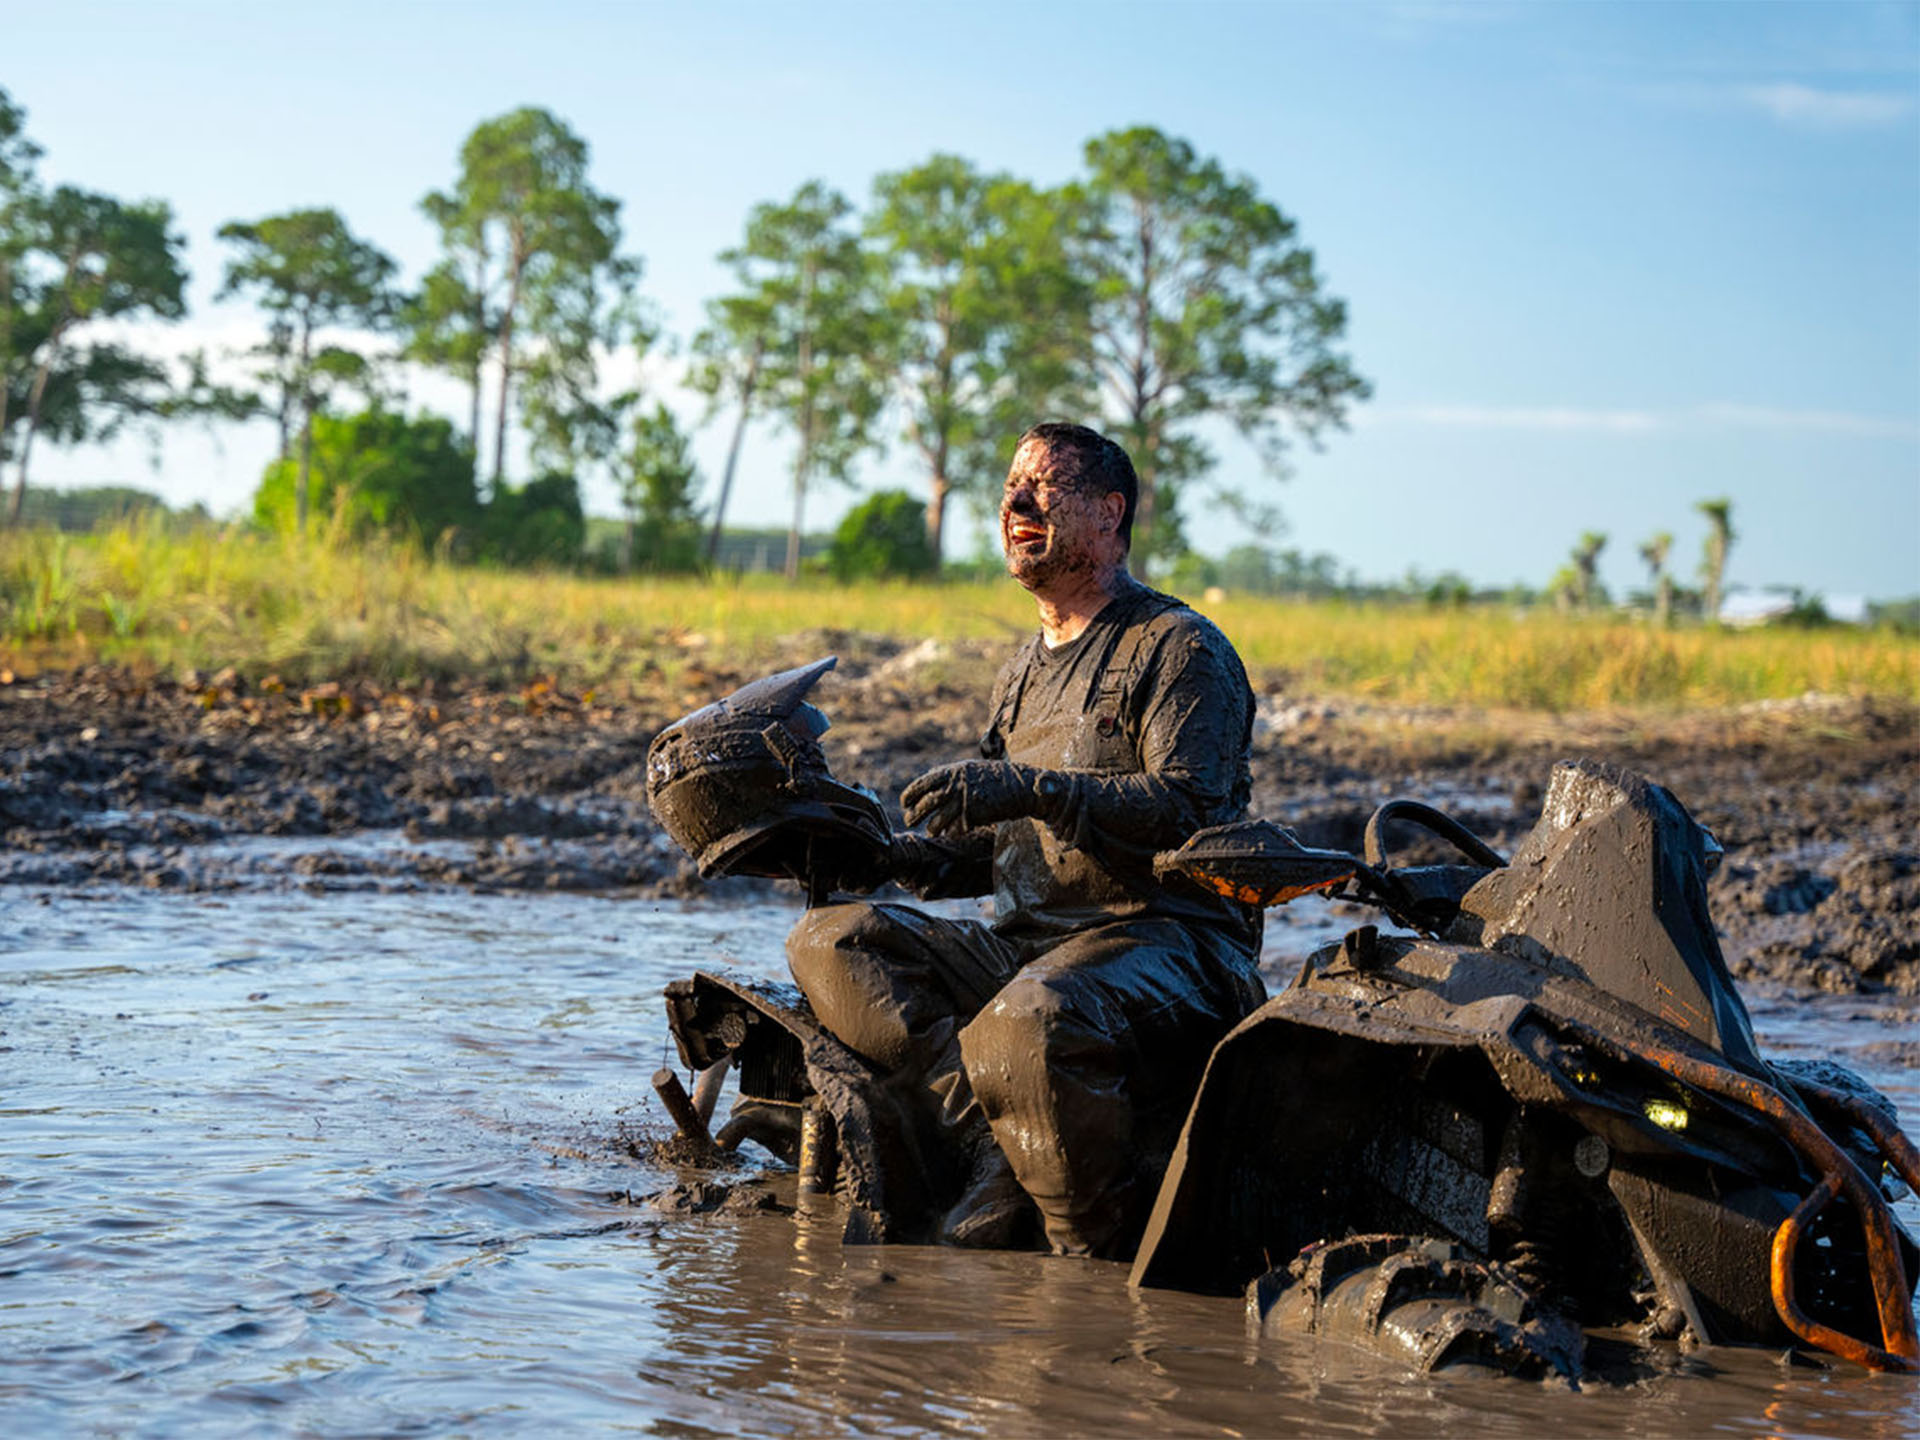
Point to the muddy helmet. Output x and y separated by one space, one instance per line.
742 786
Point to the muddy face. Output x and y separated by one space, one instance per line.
1053 526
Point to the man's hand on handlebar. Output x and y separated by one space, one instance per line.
975 794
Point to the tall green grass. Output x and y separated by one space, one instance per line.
321 608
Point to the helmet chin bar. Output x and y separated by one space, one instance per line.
743 788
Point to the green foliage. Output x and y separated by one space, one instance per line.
1448 590
448 327
883 537
308 271
1262 570
1192 573
539 523
1901 617
989 318
17 152
1808 612
378 471
91 507
533 275
657 484
1205 304
69 260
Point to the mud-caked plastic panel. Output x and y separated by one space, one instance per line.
1611 885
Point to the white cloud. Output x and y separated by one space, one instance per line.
1832 422
1794 104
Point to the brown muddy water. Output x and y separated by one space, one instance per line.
349 1163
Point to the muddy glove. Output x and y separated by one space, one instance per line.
943 869
977 793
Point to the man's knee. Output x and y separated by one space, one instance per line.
1040 1028
821 935
837 956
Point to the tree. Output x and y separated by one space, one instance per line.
990 317
657 486
1586 568
17 157
1713 559
84 258
378 471
17 152
1654 552
883 536
1205 304
539 523
808 291
532 275
309 272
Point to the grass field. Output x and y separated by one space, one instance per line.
316 610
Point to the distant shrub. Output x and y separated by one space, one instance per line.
884 536
378 471
657 483
539 523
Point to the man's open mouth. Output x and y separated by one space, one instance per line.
1026 532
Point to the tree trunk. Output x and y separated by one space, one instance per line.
1142 524
799 497
805 463
479 329
940 484
306 428
506 364
6 345
1663 601
1143 505
34 398
38 393
733 450
473 418
1146 464
938 491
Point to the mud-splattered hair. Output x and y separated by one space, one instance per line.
1093 459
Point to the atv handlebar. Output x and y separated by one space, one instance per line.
1259 863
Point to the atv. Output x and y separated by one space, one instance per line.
1526 1113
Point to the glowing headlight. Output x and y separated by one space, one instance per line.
1666 1114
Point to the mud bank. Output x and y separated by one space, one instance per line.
106 775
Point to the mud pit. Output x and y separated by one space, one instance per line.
106 775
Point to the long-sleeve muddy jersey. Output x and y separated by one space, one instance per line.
1148 717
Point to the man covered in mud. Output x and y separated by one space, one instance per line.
1061 1044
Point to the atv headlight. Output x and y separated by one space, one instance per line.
1666 1114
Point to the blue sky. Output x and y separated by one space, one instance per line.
1602 260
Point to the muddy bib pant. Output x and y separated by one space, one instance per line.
1081 1053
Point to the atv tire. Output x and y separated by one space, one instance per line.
1420 1301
